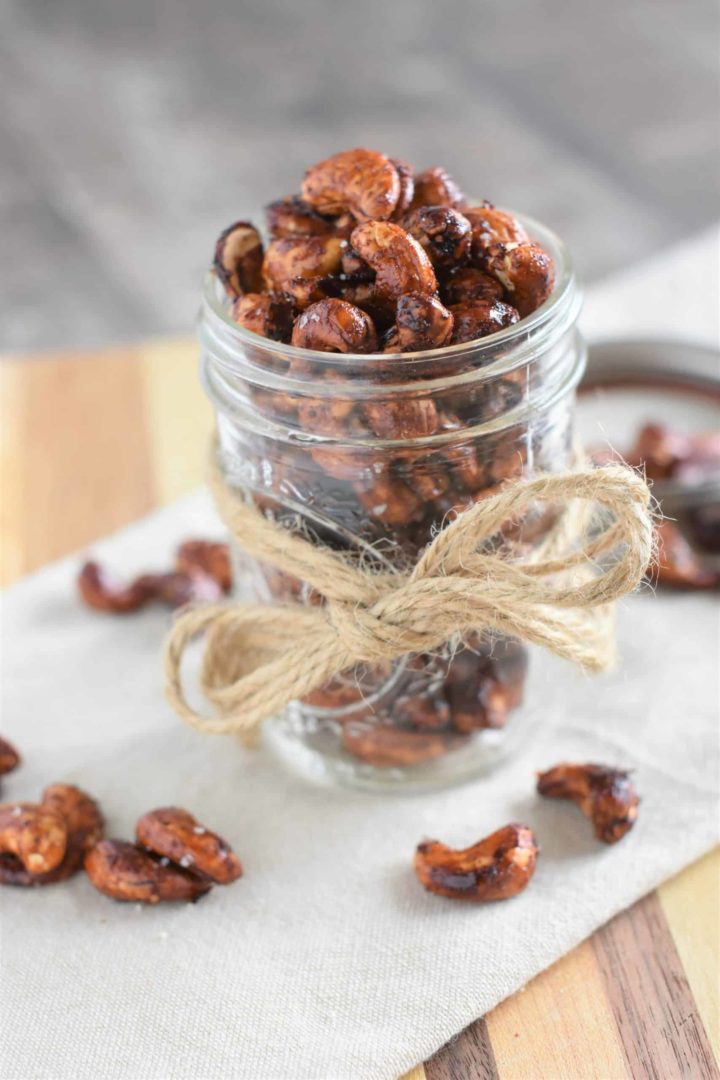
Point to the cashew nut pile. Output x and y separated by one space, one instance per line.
175 857
366 233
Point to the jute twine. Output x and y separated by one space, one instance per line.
260 657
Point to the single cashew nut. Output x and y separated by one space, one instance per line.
479 318
123 871
268 314
212 557
294 217
496 868
176 835
238 259
491 226
333 325
103 593
444 233
364 182
35 834
526 272
606 796
436 187
467 283
9 757
406 177
400 263
422 323
301 257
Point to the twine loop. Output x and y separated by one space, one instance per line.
260 657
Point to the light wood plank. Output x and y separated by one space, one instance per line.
179 416
469 1055
560 1027
691 904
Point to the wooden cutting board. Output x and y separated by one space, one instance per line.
92 441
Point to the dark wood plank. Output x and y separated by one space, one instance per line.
663 1037
467 1057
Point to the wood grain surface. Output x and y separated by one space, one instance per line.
88 447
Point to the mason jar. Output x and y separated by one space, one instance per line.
371 455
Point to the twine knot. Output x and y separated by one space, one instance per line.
260 657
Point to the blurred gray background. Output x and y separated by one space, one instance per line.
131 132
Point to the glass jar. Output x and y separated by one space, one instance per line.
370 455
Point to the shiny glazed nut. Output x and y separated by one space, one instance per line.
422 322
239 258
101 591
333 325
293 217
479 318
178 836
399 262
124 871
491 226
436 187
526 272
355 267
389 500
401 418
267 314
388 747
496 868
301 257
212 557
34 834
364 182
9 757
678 566
444 233
605 795
466 283
406 177
84 823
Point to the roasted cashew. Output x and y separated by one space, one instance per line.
124 871
212 557
333 325
400 263
239 258
436 187
422 323
526 272
34 834
479 318
103 593
292 217
9 757
605 795
496 868
301 257
175 834
491 226
443 232
268 314
406 177
467 283
364 182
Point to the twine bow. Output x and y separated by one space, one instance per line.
260 657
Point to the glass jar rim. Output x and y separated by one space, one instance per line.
553 316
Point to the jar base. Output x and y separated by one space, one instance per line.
319 759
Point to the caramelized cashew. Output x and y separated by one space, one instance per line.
479 318
407 186
400 263
466 283
212 557
175 834
9 757
388 747
333 325
401 418
124 871
605 795
364 182
422 323
268 314
34 834
102 592
496 868
301 257
238 259
526 272
291 217
436 187
490 227
444 233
